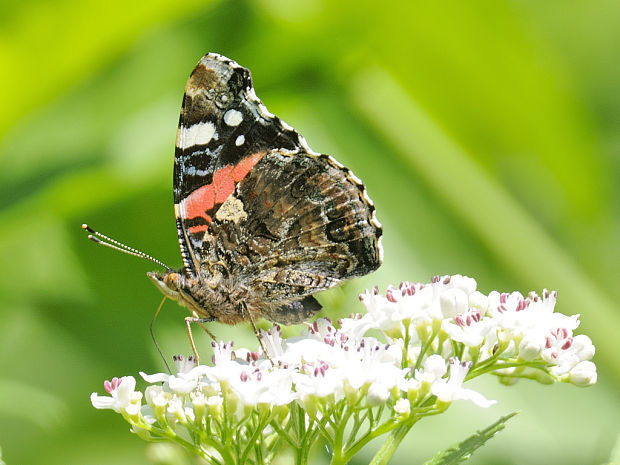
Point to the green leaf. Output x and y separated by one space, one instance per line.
462 451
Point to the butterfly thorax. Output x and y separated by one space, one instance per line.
210 296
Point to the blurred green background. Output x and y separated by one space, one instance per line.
486 132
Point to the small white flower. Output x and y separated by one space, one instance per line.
123 397
506 303
408 303
305 350
198 399
156 397
175 408
412 386
184 364
320 381
465 283
565 351
360 365
378 393
181 383
583 374
433 369
558 343
402 407
321 328
469 327
222 352
452 302
531 346
255 386
584 349
451 389
358 325
478 301
272 341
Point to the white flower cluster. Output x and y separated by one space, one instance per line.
504 327
428 339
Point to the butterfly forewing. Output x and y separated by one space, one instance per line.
222 130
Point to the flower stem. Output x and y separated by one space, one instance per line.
385 453
404 363
487 368
425 348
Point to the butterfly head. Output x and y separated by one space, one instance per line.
176 286
168 282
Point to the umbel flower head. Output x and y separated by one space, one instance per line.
427 341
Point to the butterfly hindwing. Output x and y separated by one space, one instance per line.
295 225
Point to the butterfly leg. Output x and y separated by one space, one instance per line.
195 319
245 311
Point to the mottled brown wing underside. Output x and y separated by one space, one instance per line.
295 225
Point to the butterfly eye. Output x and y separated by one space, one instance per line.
171 281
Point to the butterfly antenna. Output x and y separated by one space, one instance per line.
102 239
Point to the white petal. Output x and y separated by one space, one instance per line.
583 346
182 386
102 402
155 378
531 346
435 365
453 301
583 374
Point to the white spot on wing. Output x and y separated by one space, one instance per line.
240 140
233 117
196 134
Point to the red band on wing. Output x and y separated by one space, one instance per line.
223 183
201 202
198 228
244 166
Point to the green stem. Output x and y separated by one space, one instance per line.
339 425
425 348
172 436
385 453
370 435
252 441
357 424
404 363
486 368
284 435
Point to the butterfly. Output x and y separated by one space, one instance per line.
263 221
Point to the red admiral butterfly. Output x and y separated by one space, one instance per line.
263 221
